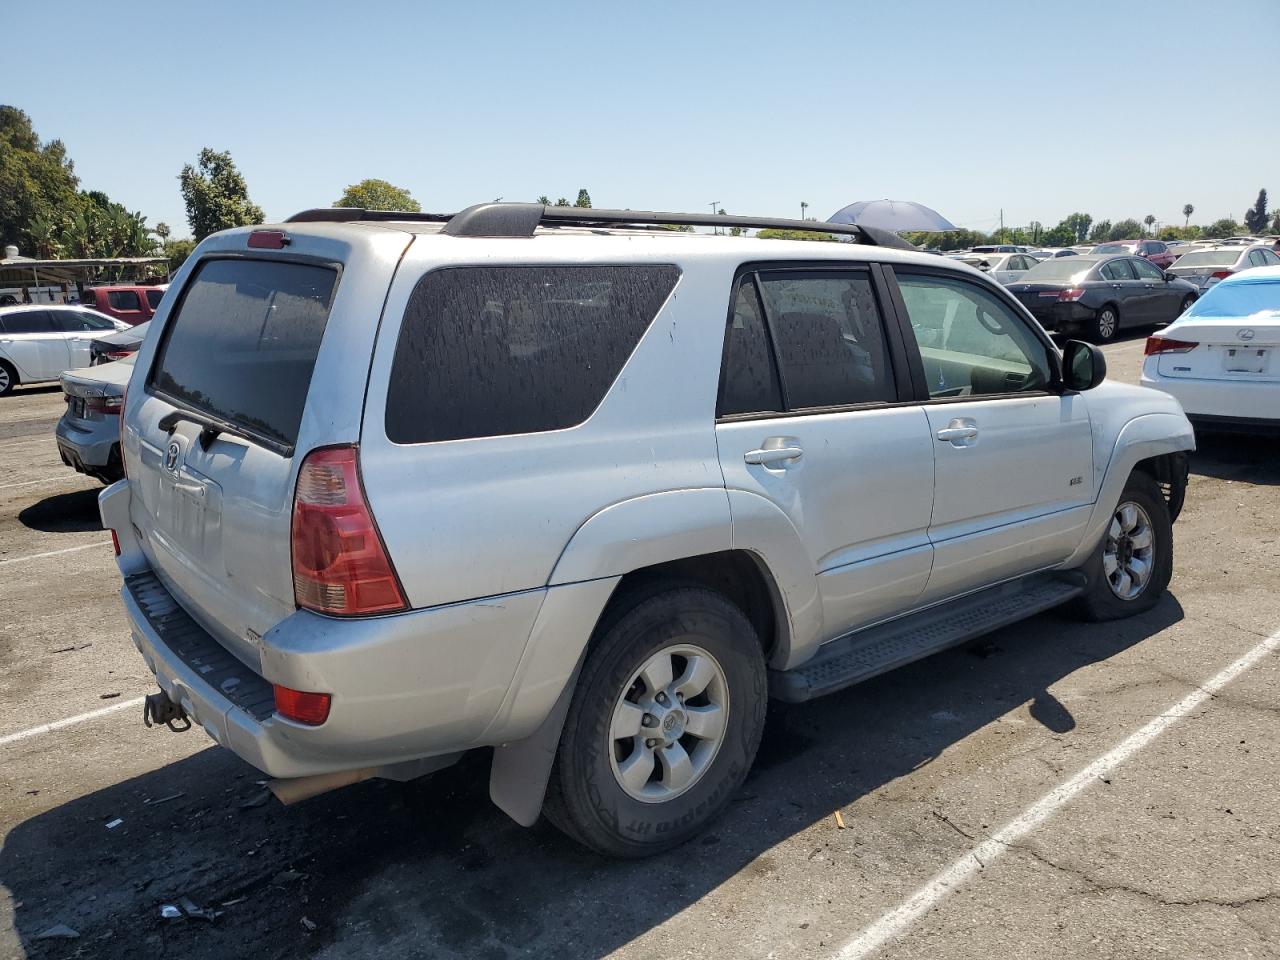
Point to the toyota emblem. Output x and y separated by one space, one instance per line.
171 456
1246 334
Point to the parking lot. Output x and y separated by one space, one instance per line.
1056 789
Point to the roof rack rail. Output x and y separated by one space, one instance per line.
523 219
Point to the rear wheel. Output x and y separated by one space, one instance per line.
8 378
664 724
1131 567
1106 322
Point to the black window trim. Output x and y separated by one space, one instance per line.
203 416
898 358
1020 313
50 315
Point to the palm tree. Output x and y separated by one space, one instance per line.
1149 219
1187 211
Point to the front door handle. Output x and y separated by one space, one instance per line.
774 455
960 432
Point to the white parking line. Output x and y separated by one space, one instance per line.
55 553
61 478
899 919
69 721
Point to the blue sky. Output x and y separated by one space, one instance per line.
1042 108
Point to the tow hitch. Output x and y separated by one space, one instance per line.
158 709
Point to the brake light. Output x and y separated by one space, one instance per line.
268 239
124 398
117 354
115 543
309 708
1070 295
340 565
109 405
1167 345
1219 274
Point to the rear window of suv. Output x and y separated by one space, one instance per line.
243 344
493 351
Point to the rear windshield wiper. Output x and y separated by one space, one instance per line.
210 428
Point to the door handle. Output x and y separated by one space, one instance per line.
959 432
772 455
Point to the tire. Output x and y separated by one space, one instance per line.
8 378
604 792
1107 599
1105 324
1187 301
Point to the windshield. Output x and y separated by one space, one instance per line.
1058 270
1244 299
982 263
1112 248
1209 258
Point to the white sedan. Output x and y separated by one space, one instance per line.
39 341
1001 267
1221 359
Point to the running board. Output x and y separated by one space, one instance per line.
875 650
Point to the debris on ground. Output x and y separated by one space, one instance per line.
186 909
112 824
839 820
288 876
108 696
308 925
236 902
172 796
59 931
169 911
73 648
256 801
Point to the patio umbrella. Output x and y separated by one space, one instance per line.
893 215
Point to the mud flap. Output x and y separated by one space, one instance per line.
520 771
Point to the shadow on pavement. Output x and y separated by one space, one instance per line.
433 869
64 512
1241 457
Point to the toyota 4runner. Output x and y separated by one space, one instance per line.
588 491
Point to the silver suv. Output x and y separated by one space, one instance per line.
588 491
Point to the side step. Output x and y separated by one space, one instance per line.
875 650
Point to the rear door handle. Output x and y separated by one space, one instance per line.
772 455
958 432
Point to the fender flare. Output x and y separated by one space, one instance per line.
1149 435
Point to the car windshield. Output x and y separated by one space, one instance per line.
982 263
1058 270
1112 248
1209 258
1245 299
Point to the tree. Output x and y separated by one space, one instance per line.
1101 232
1149 220
1255 218
37 181
563 202
377 195
544 200
177 251
1079 224
1060 236
772 234
216 195
1129 229
584 199
1187 211
1226 227
1275 222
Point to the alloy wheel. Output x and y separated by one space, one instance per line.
1128 559
1107 324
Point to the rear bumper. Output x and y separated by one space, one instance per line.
1219 402
1060 317
94 450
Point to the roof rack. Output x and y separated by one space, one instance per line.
522 219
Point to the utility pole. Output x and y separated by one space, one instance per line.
1002 224
714 206
803 207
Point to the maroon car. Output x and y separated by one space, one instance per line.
132 303
1154 250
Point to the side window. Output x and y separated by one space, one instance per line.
1269 258
749 379
123 300
91 322
154 297
970 342
1118 270
829 337
1256 258
1147 270
30 321
493 351
1157 247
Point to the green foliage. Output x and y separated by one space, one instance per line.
378 195
1180 233
1275 222
1101 232
544 200
216 195
37 183
1126 230
1226 227
584 199
177 252
1059 236
1149 219
795 235
1187 210
563 202
1255 218
1078 224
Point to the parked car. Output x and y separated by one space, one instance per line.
1002 267
88 433
1156 251
1204 268
1048 253
588 497
1100 295
997 248
1221 358
118 345
38 343
133 304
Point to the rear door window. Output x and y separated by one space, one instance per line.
30 321
1146 270
1118 270
749 381
243 344
123 300
154 297
494 351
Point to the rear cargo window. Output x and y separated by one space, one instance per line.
490 351
243 343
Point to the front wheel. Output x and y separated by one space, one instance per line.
1187 301
664 724
1131 567
8 378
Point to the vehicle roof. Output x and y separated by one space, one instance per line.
52 306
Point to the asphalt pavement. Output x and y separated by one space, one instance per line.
1055 789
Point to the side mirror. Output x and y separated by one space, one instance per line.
1170 276
1083 365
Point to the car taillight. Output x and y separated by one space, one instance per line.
111 405
116 354
1219 274
115 543
1070 295
1167 345
309 708
340 565
268 239
124 398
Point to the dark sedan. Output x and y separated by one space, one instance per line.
117 346
1097 296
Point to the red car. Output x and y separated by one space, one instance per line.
133 304
1154 250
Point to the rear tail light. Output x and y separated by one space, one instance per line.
1070 295
1219 274
1167 345
111 405
115 355
309 708
340 565
115 543
268 239
124 398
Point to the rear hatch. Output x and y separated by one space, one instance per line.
92 394
1236 332
262 357
1200 266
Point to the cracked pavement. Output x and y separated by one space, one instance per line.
1174 854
